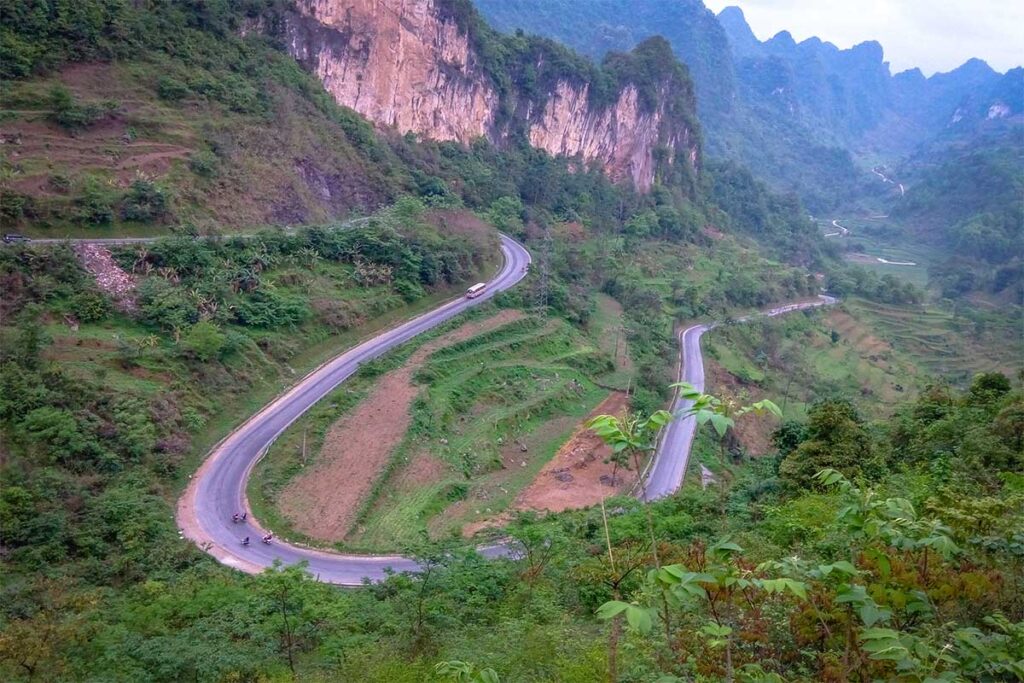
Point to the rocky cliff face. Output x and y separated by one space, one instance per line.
622 137
410 66
397 63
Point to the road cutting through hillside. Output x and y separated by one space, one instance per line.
668 466
217 491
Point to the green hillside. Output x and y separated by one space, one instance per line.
873 534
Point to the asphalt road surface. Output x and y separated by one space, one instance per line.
217 489
665 475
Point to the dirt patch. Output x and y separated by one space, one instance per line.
576 477
754 434
857 334
424 468
322 502
110 277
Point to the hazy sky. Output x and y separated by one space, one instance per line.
935 35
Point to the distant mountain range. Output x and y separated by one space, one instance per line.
808 117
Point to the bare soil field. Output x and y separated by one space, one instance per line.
576 477
322 502
754 434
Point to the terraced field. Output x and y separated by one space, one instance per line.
877 354
795 362
493 410
489 411
885 239
942 344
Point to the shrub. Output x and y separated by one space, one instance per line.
145 202
171 89
267 308
163 304
68 113
96 205
14 206
59 182
204 341
89 306
204 164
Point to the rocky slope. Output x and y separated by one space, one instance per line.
428 67
801 115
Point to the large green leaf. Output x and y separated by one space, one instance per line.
639 619
872 614
721 423
611 608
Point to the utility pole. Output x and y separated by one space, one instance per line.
304 446
545 270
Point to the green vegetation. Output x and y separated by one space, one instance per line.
532 66
101 405
901 561
923 552
793 145
968 203
873 354
229 131
527 382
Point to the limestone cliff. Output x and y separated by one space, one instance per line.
416 66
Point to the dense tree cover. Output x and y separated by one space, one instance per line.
748 207
41 34
745 205
531 66
784 142
852 279
969 202
599 27
834 438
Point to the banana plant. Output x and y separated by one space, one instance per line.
630 437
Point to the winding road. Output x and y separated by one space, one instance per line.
665 474
217 489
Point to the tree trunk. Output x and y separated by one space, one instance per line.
613 644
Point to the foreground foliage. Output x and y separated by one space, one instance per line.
909 572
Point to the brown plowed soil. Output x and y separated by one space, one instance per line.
576 477
754 433
322 502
